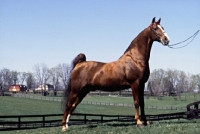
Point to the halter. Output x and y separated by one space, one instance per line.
154 31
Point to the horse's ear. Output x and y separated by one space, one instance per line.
158 22
154 19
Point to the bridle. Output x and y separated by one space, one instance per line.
154 31
191 37
171 46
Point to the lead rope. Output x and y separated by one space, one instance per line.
193 36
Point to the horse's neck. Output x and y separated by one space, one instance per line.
140 47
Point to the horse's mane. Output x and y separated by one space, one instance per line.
132 45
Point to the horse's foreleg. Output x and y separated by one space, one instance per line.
141 102
135 92
70 108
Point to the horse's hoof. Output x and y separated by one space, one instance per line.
146 123
140 125
64 129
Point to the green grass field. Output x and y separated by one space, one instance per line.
166 101
151 101
24 106
192 127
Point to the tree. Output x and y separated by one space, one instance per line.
22 77
181 83
14 77
194 82
41 75
1 78
172 76
150 87
155 80
64 73
5 79
198 80
30 81
167 86
54 78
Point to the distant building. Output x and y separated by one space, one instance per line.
17 88
46 87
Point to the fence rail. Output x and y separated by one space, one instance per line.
193 110
132 105
98 103
18 122
49 120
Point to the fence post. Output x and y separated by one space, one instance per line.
101 118
43 121
19 122
196 107
188 110
85 118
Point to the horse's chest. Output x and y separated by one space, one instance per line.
138 72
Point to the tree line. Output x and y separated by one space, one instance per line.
170 81
41 75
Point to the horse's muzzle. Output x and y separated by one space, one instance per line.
165 41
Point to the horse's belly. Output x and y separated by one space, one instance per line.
110 84
110 88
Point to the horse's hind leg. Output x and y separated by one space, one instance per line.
71 105
67 113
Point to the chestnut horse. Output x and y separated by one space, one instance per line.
131 70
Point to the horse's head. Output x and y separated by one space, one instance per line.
159 33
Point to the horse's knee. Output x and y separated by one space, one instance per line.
136 103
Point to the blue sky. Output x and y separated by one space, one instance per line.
55 31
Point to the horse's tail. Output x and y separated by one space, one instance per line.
78 59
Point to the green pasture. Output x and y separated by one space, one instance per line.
165 101
184 127
26 106
23 106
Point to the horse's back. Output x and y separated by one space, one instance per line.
100 75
